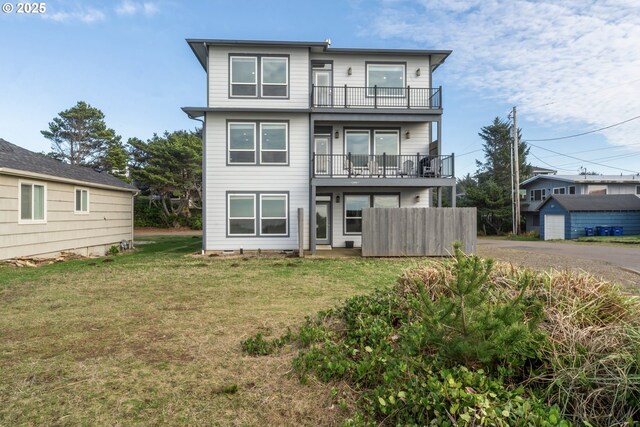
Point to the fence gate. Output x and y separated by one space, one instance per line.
417 231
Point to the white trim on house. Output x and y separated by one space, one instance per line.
44 177
286 76
254 150
253 218
286 214
75 201
33 184
286 144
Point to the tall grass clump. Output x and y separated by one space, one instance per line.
470 342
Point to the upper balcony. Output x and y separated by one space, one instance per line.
376 98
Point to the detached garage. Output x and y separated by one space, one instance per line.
565 217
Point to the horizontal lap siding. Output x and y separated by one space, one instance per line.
108 222
221 179
630 221
341 64
219 78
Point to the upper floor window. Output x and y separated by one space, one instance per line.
638 190
246 138
259 76
559 190
32 202
82 201
537 195
572 189
385 79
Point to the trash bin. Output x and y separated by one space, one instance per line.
603 230
589 231
616 231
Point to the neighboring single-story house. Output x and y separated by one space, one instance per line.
47 206
566 216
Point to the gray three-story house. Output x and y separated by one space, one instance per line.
292 125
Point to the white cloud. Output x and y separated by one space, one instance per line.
88 16
562 62
130 8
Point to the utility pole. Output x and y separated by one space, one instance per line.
516 163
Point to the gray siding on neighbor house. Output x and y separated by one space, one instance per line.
222 179
218 78
110 220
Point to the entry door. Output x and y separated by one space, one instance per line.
554 227
322 150
322 82
323 223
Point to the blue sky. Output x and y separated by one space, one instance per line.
569 66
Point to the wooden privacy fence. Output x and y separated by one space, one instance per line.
417 231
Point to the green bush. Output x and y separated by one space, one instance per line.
147 214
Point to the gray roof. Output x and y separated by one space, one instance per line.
18 158
587 179
609 202
199 48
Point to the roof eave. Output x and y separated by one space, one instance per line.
28 174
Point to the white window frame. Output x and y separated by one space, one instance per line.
286 142
543 195
370 87
560 188
32 184
286 72
75 201
229 195
229 149
637 190
255 78
286 212
373 198
569 190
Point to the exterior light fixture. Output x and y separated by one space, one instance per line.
337 135
418 72
417 198
349 71
338 198
407 135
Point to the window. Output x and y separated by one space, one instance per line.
559 190
361 146
638 190
535 220
357 144
389 79
597 190
386 141
273 143
272 210
242 215
537 195
82 201
354 203
272 138
273 214
572 189
274 76
32 203
244 71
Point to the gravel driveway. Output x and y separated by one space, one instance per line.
613 263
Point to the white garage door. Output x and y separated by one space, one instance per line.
554 227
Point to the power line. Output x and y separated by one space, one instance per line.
469 152
586 133
549 164
583 160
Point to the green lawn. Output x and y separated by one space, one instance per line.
153 337
629 240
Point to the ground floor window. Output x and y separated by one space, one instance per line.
355 203
535 220
258 214
82 201
32 202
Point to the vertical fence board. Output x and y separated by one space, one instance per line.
417 231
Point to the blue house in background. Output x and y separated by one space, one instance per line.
565 217
535 190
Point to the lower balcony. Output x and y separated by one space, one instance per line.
381 166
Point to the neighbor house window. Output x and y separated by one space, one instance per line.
385 79
273 143
244 76
597 190
537 195
82 201
274 77
354 203
273 80
572 189
32 202
559 190
241 215
638 190
273 214
244 141
258 214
